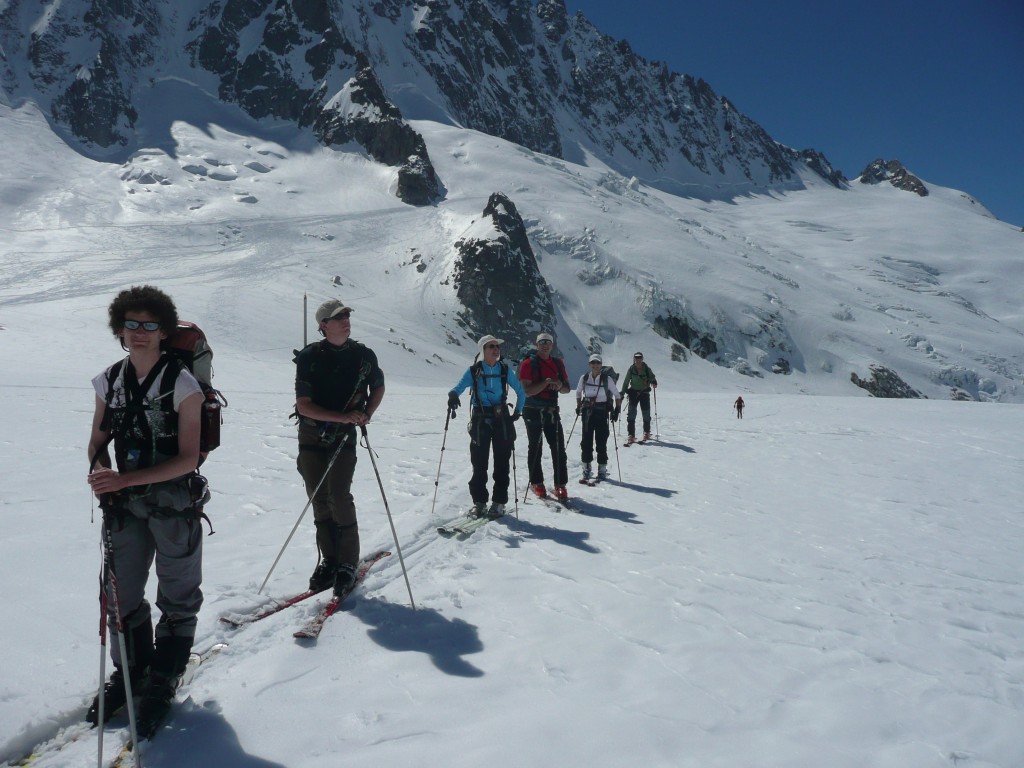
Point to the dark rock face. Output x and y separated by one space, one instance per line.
529 74
86 58
885 382
498 283
337 92
895 173
679 330
521 73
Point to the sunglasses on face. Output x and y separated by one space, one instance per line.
147 325
543 341
339 316
492 346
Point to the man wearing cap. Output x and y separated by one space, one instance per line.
544 378
639 382
338 386
597 400
491 427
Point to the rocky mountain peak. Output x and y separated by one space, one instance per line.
894 172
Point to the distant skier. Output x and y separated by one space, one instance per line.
491 427
738 405
637 384
597 401
544 378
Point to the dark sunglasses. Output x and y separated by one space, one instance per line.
492 346
544 341
339 316
148 325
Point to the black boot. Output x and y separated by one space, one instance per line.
138 643
323 576
344 578
170 658
114 698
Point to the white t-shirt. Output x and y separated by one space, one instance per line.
184 386
591 387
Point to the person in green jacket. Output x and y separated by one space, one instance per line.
637 384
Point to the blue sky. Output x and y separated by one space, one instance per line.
938 85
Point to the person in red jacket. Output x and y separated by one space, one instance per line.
544 378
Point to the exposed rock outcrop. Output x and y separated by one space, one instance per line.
497 280
885 382
895 173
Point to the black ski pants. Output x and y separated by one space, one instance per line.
595 430
490 434
545 424
643 399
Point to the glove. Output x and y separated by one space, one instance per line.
579 409
517 416
615 414
453 400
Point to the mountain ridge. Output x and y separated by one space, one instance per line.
801 286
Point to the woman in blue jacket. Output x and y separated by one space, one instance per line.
491 426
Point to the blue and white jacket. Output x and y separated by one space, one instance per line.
488 385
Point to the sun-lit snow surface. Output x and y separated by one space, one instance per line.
831 581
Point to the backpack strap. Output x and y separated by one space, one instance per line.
477 370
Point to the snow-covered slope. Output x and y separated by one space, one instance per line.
822 283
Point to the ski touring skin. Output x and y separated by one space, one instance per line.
465 525
311 630
235 621
126 756
555 504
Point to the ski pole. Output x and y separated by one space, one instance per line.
559 453
394 534
532 466
447 418
103 658
657 432
515 481
108 544
615 435
573 427
302 514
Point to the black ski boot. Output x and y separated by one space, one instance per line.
344 578
169 661
323 576
139 646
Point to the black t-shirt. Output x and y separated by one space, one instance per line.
338 378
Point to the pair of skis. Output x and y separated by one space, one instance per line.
310 630
464 526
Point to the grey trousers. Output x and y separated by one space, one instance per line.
175 544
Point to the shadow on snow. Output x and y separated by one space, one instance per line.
398 627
